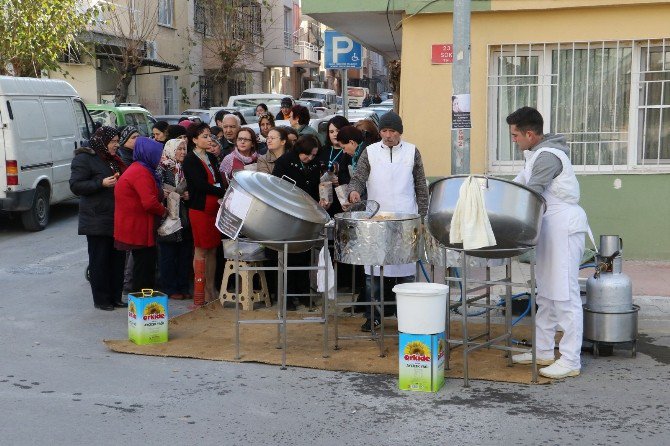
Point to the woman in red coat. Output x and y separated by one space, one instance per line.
137 209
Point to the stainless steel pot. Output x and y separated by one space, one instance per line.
387 239
514 210
436 254
610 327
279 211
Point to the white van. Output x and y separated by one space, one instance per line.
356 96
326 95
42 122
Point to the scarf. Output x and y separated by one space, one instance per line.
148 153
227 163
168 161
357 154
98 143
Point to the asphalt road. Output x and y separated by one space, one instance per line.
60 385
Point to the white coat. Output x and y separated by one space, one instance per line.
391 184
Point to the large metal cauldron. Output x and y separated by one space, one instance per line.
279 211
514 210
386 239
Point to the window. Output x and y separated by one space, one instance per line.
83 120
587 92
288 28
654 108
170 95
200 14
165 12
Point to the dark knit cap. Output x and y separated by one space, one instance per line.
391 120
126 133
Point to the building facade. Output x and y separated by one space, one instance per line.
599 71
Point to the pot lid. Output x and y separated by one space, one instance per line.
281 195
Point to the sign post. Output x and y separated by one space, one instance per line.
460 100
342 53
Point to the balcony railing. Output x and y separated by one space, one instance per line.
307 51
290 40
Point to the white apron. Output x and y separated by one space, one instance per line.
562 218
391 184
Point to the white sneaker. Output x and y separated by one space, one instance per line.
527 358
558 370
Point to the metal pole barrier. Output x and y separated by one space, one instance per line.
281 294
345 93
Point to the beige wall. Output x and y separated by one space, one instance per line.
82 78
426 89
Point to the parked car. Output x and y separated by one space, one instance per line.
174 119
310 107
249 113
319 105
252 100
204 114
381 109
328 96
43 122
359 114
122 115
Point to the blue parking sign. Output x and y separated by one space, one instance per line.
342 52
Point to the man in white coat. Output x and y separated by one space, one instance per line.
560 247
392 173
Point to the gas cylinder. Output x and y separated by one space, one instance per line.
609 290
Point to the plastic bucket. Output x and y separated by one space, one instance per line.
422 307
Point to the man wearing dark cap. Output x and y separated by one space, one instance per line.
392 173
285 110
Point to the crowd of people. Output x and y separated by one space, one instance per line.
124 181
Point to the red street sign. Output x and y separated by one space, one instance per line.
443 53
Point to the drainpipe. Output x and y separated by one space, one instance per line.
460 137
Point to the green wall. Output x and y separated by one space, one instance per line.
638 211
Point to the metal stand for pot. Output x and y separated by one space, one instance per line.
282 269
471 343
374 335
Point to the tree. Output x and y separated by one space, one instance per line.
233 32
130 30
35 33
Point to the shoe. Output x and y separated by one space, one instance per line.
558 370
106 307
367 326
527 358
177 296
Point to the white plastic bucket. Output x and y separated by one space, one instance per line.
422 307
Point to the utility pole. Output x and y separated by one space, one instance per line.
460 126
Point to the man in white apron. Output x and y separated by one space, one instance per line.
560 247
392 173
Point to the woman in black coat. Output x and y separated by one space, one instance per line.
301 166
94 172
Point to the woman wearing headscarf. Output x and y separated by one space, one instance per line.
175 249
94 174
127 138
138 207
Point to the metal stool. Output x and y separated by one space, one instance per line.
248 294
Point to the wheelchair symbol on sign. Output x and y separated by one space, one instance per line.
354 58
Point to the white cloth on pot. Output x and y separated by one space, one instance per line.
470 223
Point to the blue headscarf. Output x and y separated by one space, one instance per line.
148 153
